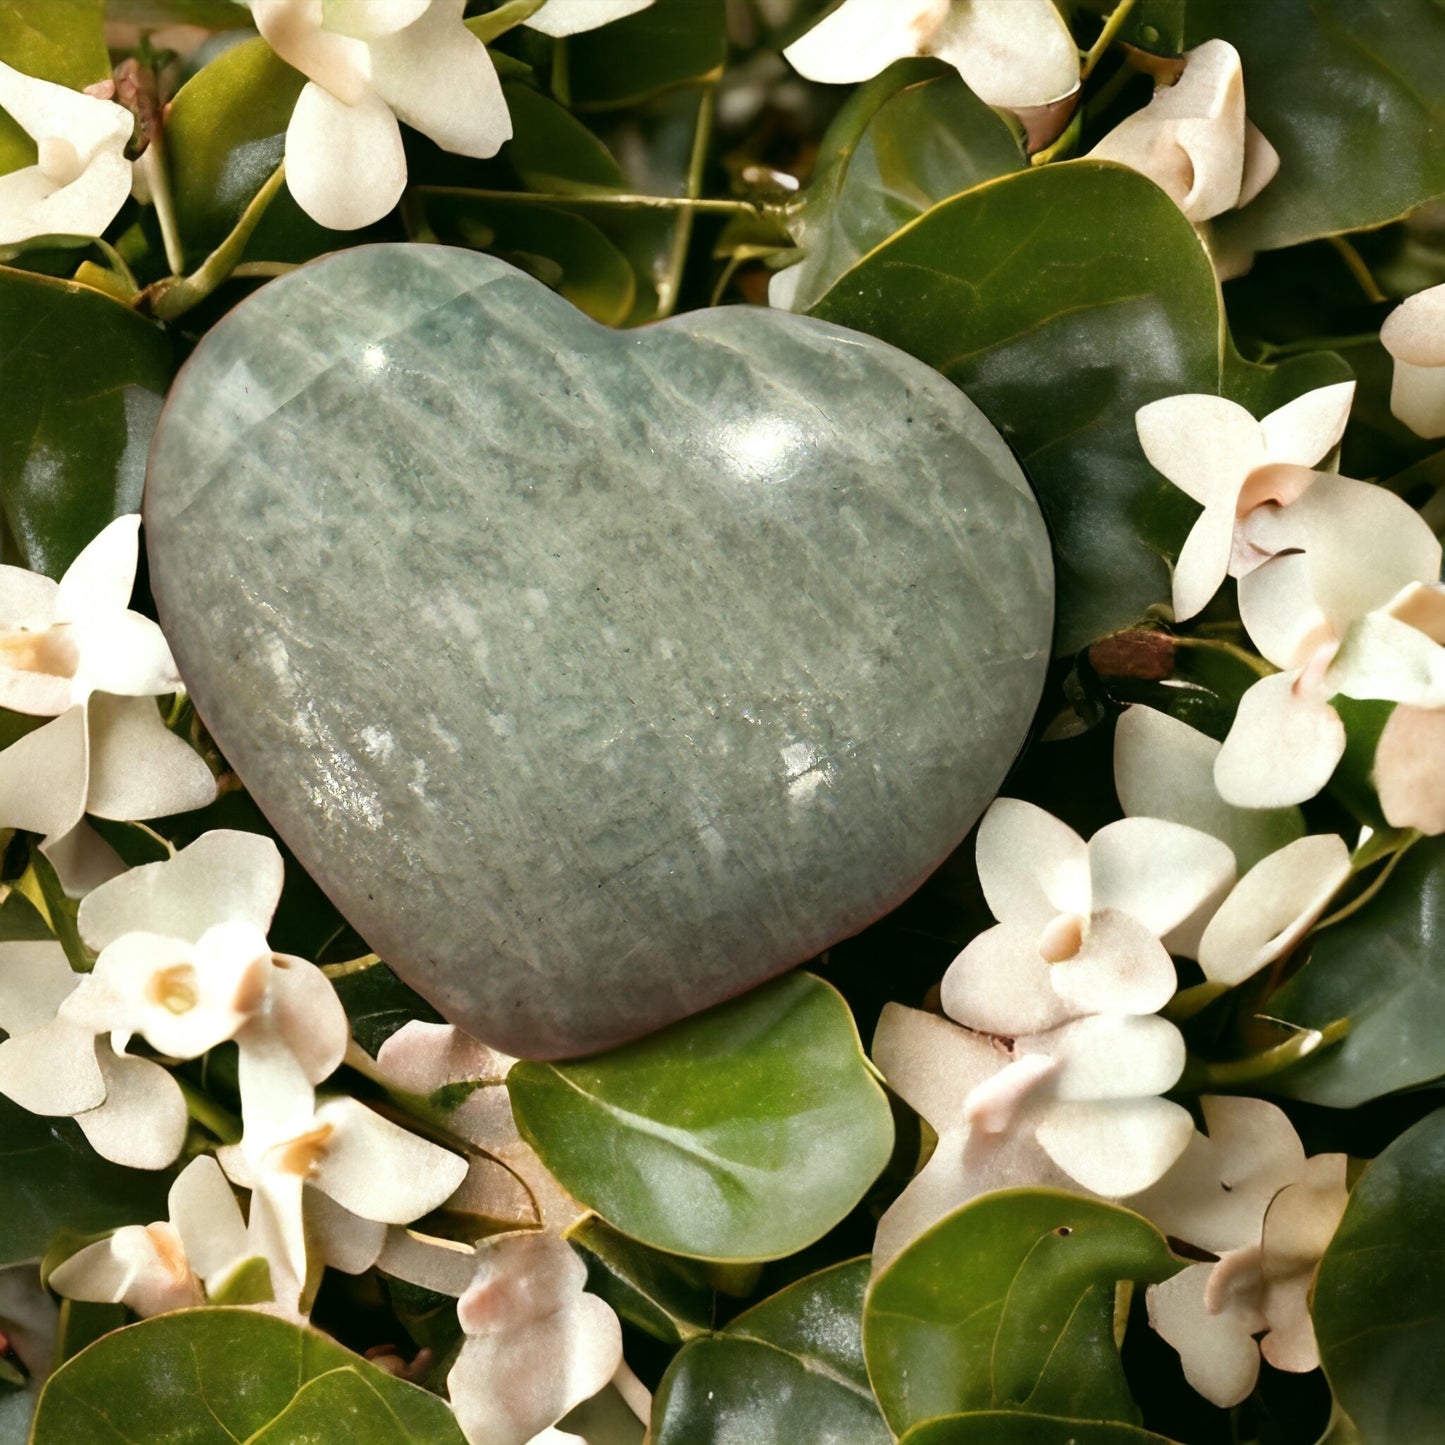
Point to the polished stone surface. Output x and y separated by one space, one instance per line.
595 675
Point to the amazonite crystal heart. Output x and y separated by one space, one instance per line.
596 676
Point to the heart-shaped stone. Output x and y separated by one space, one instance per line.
596 676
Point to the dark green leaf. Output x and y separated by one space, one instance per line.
50 1179
668 1297
1383 969
218 1376
75 435
998 1427
1008 1303
669 43
378 1003
21 921
1352 97
1379 1302
788 1370
552 150
745 1132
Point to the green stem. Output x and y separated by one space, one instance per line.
717 206
158 176
209 1114
116 262
495 23
1064 145
1095 53
1222 1076
350 966
671 284
1269 351
1365 894
1255 663
174 298
1355 264
263 268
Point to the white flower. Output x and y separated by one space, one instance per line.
1414 335
1246 1193
368 66
74 651
174 1264
1193 140
559 18
1015 54
80 178
1409 774
1333 610
1213 450
537 1343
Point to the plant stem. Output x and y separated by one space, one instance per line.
158 177
1095 53
1355 263
1065 143
208 1113
1268 351
350 966
1365 894
1236 1073
495 23
717 206
671 284
1256 664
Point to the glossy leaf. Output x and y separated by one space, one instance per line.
50 1178
998 1427
1382 969
1352 97
378 1003
1008 1303
745 1132
790 1369
63 43
1379 1301
909 138
216 1376
552 150
668 1297
75 433
668 44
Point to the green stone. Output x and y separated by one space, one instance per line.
596 676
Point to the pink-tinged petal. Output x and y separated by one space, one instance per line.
366 20
1382 657
1414 331
1156 871
293 29
1409 775
1217 1350
1282 748
1010 54
1120 968
345 165
82 860
138 767
43 777
124 653
1163 768
438 77
1000 984
569 17
1261 165
1203 561
1204 444
306 1012
1031 866
1110 1056
141 1266
993 1107
1306 430
420 1058
1417 398
142 1123
861 38
27 599
203 1208
379 1170
341 1239
1216 1195
1114 1147
99 582
1277 607
1421 606
1272 907
441 1265
932 1064
223 877
35 979
52 1070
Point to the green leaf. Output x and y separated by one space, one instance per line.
218 1376
1352 97
667 1296
50 1178
1379 1301
1008 1303
670 43
552 150
1382 968
378 1003
907 139
787 1370
75 437
998 1427
742 1133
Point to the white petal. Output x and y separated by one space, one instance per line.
1382 657
1000 984
437 77
1278 609
1218 1352
278 1102
1261 166
1031 866
379 1170
1417 397
1408 772
1115 1147
222 877
52 1070
1306 430
1111 1056
421 1058
1156 871
1282 748
204 1211
306 1012
1414 332
142 1123
35 979
1163 768
124 653
441 1265
293 29
345 165
1203 561
86 206
1120 968
1010 53
859 39
569 17
366 20
144 1267
932 1064
1272 907
82 860
99 582
138 767
43 777
100 1272
36 691
344 1240
27 599
1204 444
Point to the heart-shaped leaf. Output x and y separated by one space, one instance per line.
1382 969
999 1427
217 1376
1008 1303
1379 1300
745 1132
74 436
789 1369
